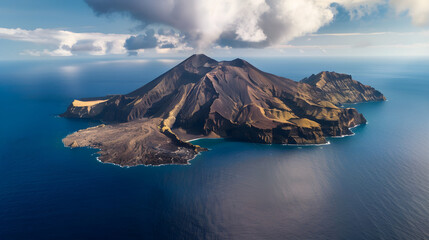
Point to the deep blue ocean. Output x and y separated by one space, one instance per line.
374 185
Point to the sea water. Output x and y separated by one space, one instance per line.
373 185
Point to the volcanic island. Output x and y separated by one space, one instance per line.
204 98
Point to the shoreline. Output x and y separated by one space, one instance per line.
270 144
147 165
352 134
188 162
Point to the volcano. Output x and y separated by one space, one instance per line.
201 97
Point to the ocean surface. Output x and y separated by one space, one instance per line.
374 185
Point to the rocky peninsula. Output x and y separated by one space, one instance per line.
202 97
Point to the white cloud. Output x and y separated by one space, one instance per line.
417 9
236 23
250 23
217 24
171 42
66 43
228 22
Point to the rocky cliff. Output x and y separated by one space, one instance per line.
341 88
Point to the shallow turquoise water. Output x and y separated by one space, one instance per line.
374 185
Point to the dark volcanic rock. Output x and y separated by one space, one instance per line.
233 99
341 88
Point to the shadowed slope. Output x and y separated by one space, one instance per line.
151 97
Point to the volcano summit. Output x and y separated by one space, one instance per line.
202 97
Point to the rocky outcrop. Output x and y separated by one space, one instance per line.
340 88
139 142
233 99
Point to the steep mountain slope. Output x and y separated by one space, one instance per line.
234 99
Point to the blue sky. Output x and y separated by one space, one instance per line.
149 28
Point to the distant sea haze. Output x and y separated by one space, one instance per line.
373 185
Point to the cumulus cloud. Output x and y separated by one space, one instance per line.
220 24
161 40
236 23
249 23
66 43
144 41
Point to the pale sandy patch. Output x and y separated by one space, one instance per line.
78 103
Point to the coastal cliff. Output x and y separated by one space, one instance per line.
229 99
341 88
